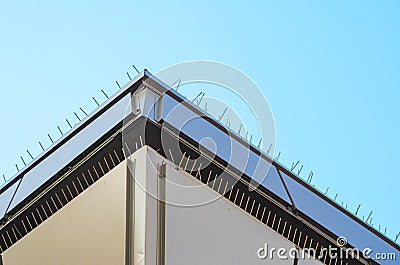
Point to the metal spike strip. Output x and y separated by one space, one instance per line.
94 99
366 220
179 83
294 165
299 171
50 138
269 149
29 153
76 115
56 205
41 146
173 84
48 206
222 115
23 161
240 128
358 208
134 67
310 177
83 111
279 155
69 124
104 93
197 96
259 143
201 99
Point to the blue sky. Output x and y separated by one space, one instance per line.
330 72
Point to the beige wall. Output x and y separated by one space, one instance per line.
88 230
217 232
91 229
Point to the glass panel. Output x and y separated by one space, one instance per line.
335 220
71 149
237 154
5 198
274 183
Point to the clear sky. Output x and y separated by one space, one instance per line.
329 69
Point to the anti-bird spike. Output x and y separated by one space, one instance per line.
240 128
310 177
269 149
104 93
201 98
172 85
69 124
23 161
41 146
358 208
83 111
294 165
299 171
259 143
50 138
222 115
76 115
197 96
366 220
134 67
29 153
97 103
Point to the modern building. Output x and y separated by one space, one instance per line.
130 185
